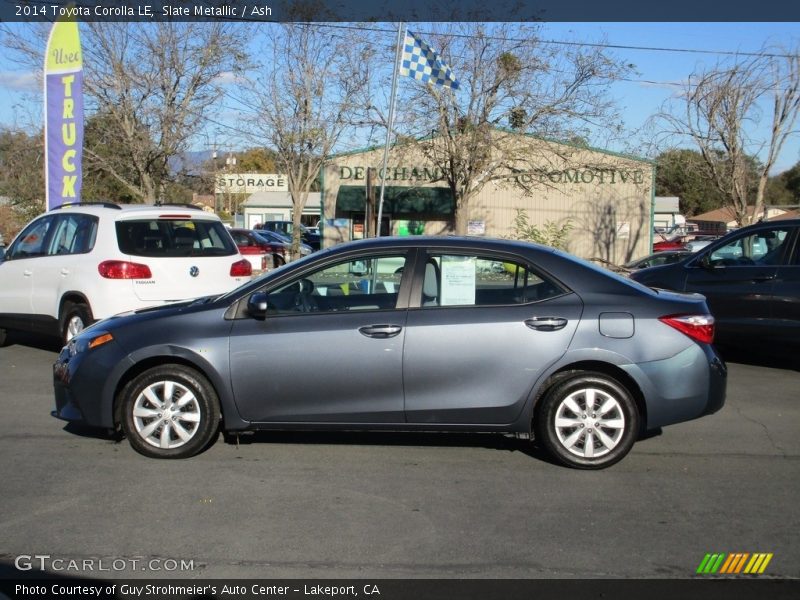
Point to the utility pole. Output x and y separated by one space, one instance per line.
370 227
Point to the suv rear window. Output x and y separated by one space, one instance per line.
168 237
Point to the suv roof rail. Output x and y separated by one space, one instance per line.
103 204
181 204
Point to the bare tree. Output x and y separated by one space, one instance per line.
302 98
721 109
511 84
152 84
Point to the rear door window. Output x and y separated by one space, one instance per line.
470 280
172 237
73 234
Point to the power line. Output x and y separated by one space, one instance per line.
566 43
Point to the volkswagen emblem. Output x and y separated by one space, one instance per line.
194 271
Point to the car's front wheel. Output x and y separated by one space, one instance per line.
170 411
587 421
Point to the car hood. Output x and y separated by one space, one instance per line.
656 273
164 311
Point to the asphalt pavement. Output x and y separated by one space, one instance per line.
346 505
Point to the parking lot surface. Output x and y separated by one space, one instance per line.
320 505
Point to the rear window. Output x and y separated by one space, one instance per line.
172 237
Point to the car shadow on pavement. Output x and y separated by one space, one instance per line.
98 433
33 340
492 441
761 355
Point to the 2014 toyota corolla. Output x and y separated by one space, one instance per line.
435 334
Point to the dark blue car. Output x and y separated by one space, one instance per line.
750 279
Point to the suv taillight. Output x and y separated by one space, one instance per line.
698 327
120 269
241 268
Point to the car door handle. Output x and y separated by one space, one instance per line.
65 271
546 323
763 278
380 331
27 273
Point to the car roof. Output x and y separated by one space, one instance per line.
773 223
138 210
447 241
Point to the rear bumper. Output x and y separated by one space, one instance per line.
686 386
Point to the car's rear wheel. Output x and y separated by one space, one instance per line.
170 411
587 421
75 317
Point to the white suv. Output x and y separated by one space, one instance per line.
85 262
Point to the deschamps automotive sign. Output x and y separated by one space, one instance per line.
249 183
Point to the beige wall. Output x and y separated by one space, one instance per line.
606 198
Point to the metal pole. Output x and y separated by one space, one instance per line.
400 36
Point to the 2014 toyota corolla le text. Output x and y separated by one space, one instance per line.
432 334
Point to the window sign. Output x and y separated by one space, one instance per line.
458 280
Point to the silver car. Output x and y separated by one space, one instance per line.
432 334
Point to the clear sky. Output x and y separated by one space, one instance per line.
640 96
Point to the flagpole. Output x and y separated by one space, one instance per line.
390 125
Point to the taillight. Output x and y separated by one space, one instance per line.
698 327
241 268
120 269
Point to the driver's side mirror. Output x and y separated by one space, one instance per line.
257 305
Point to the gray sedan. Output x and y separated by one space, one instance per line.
436 334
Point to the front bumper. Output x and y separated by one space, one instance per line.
84 384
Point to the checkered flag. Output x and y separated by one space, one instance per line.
423 63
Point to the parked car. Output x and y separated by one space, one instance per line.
700 242
285 242
750 278
682 241
79 263
263 255
673 242
664 257
583 358
286 227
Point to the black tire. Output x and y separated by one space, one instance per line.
278 260
587 439
75 317
3 338
183 425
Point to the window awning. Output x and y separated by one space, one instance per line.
399 200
